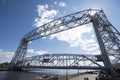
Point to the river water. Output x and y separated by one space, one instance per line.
11 75
35 75
32 75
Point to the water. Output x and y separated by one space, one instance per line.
33 75
58 71
11 75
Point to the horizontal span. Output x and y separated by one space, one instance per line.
64 67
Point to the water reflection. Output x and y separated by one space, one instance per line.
11 75
58 71
33 75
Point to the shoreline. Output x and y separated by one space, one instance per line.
4 69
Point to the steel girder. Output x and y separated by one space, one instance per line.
68 61
63 61
105 35
108 37
20 53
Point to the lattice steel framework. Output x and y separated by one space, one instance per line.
107 35
63 61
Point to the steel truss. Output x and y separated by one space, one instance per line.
107 35
68 61
63 61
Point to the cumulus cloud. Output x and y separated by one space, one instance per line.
5 56
62 4
75 37
44 15
32 52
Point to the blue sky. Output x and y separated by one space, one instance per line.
17 17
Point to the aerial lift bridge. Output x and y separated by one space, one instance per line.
108 39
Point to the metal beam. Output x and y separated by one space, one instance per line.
64 67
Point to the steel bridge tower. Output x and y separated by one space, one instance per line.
107 35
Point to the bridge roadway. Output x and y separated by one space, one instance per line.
63 61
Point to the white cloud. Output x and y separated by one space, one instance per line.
55 2
0 50
44 15
5 56
34 52
30 42
63 4
41 52
75 37
30 50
